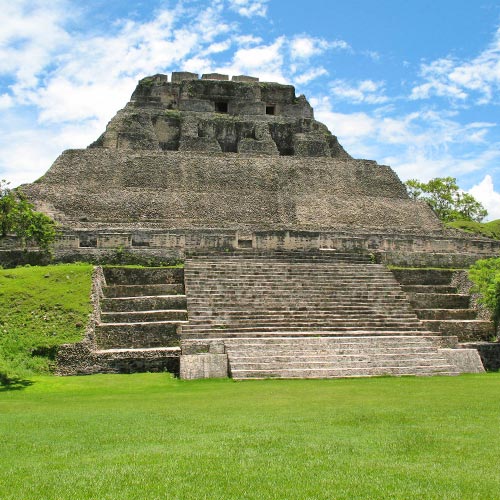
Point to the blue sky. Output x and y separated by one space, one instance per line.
413 84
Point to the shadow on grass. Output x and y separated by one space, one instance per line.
13 383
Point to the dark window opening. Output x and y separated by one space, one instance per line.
270 110
221 107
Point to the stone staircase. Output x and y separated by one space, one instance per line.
439 305
140 315
291 315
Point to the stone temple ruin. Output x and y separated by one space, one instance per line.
285 239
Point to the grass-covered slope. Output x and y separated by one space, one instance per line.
148 436
40 308
488 229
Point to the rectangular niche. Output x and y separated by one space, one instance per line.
221 107
270 109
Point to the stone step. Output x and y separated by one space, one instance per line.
143 276
465 330
446 314
342 340
316 256
306 325
439 301
116 291
429 288
423 276
138 335
443 369
221 316
306 299
157 359
147 303
176 315
337 362
300 333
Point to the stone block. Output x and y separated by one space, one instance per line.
215 76
247 108
114 240
67 241
195 366
168 240
253 146
464 360
244 79
306 145
179 76
205 144
198 105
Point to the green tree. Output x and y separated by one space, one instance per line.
447 200
17 216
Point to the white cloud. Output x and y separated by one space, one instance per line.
486 194
422 144
6 101
460 80
305 47
249 8
310 75
365 91
264 61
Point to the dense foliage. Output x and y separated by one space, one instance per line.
18 217
486 276
447 200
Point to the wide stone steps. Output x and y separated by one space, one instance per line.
440 308
140 318
335 357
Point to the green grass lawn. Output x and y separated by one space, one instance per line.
149 436
489 229
40 308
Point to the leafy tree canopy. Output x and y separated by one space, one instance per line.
446 199
17 216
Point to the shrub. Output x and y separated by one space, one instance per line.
485 274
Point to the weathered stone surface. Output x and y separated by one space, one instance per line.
489 353
232 108
464 360
203 366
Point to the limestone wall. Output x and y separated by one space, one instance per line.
186 190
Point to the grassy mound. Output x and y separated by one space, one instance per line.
488 229
41 308
148 436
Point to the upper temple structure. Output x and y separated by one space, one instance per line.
203 163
